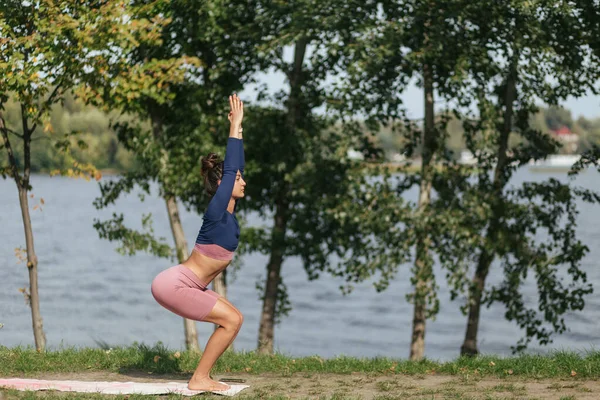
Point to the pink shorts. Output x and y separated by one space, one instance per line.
180 291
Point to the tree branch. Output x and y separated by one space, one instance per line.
48 102
26 147
40 138
13 133
9 150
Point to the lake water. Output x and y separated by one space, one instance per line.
91 294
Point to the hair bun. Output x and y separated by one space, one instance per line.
209 162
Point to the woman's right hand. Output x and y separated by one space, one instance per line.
236 113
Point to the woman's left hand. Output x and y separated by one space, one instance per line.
236 113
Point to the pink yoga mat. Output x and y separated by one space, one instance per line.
111 387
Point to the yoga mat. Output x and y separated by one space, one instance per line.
111 387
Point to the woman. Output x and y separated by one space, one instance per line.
182 289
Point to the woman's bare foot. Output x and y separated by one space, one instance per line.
206 384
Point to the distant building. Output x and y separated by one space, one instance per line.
567 137
564 134
355 155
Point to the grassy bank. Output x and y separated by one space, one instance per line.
160 360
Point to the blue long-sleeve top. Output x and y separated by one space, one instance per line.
219 226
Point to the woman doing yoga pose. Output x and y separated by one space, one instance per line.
182 289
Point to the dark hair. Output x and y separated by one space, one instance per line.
212 171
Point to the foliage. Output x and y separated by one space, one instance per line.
472 220
50 49
181 120
590 157
531 227
90 139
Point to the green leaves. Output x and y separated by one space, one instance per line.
588 159
131 240
177 88
540 236
283 306
498 58
50 50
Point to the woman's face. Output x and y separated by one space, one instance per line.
238 187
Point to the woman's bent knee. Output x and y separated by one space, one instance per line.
225 315
234 321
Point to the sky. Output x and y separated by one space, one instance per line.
587 106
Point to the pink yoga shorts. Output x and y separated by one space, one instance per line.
180 291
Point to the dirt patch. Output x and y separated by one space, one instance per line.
366 386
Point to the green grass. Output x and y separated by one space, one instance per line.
160 360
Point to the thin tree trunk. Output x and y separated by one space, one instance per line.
266 330
32 261
469 346
189 326
32 266
220 285
423 268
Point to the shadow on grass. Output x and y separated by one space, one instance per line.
156 362
160 363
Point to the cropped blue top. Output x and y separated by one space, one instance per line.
219 226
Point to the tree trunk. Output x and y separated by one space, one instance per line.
220 284
266 330
32 266
32 261
189 326
469 346
220 287
423 267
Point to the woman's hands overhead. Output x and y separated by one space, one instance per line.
236 112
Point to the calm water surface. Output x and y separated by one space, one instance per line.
91 294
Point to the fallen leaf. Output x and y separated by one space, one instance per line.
492 363
248 369
510 372
177 354
573 373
